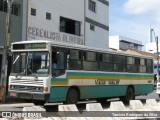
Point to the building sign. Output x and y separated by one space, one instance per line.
37 33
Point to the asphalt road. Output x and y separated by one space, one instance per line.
152 95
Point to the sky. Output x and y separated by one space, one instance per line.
134 18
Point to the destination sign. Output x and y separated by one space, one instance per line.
29 46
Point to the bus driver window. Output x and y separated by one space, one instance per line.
54 64
57 63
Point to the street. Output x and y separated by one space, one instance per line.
52 107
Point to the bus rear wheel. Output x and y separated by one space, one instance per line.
72 96
129 95
39 102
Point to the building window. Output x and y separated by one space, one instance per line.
70 26
1 5
5 6
15 7
48 16
92 6
92 27
33 11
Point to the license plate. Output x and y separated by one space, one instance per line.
13 94
25 95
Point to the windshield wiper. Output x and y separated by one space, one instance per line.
29 69
16 59
34 76
22 72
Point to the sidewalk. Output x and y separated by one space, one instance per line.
15 105
11 102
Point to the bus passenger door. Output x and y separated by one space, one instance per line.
58 80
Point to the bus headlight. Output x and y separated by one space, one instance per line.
12 87
45 89
39 89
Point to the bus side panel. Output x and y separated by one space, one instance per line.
143 89
58 90
102 91
58 93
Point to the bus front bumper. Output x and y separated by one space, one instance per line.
31 96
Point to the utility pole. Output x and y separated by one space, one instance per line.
4 69
156 40
158 80
157 59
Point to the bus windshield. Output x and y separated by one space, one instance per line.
34 64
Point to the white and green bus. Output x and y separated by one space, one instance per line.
46 71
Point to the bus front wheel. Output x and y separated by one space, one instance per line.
72 96
129 95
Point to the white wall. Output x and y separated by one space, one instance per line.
72 9
97 38
114 42
100 37
24 25
102 12
152 47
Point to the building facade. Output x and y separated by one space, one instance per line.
124 43
83 22
16 20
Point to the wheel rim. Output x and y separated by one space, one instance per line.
73 97
130 94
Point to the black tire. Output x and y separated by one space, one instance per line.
129 95
101 100
72 96
39 102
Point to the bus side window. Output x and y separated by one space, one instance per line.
74 60
54 64
119 63
60 60
90 61
149 64
57 63
54 60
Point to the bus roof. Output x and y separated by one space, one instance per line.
80 47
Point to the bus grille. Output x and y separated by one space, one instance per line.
26 82
26 88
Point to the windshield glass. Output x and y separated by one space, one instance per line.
34 64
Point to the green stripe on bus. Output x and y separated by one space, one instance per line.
102 76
